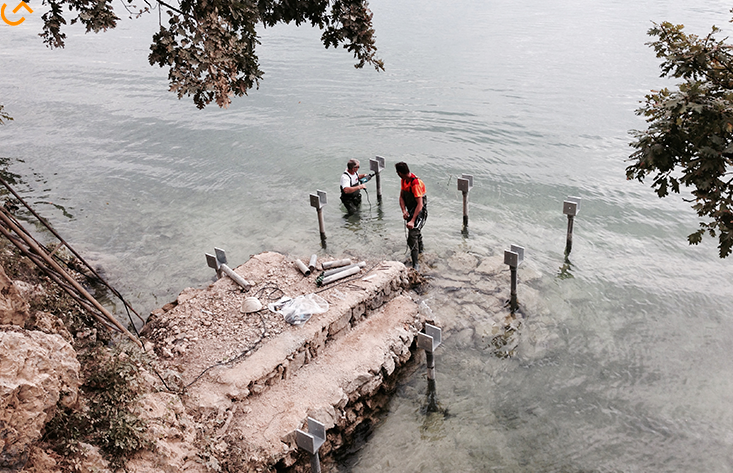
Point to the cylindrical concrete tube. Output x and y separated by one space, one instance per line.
236 277
302 267
341 275
342 268
312 262
336 263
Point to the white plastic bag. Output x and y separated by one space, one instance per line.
297 311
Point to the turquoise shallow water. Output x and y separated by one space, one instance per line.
624 367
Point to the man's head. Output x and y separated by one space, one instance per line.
352 165
402 169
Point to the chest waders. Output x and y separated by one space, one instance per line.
414 235
352 201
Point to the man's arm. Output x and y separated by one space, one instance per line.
351 190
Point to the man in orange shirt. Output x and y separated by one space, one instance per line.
414 205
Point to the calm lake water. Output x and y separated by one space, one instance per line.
624 367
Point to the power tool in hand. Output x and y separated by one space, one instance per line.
366 178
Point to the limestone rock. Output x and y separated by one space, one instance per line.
174 434
92 460
492 265
41 462
37 370
49 323
462 262
13 307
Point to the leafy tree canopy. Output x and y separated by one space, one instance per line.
208 46
689 140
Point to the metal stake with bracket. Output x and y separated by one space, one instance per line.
571 208
318 200
465 183
219 263
429 340
376 165
311 441
514 258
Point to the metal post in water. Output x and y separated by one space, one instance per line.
322 227
311 441
430 364
318 200
513 258
219 263
570 207
465 183
376 165
513 298
429 340
569 238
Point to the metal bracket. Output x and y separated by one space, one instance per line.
312 440
319 199
430 339
514 256
571 206
219 263
212 262
465 182
376 164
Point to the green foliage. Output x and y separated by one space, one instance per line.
4 117
113 389
209 45
106 417
689 140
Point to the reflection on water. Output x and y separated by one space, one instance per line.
566 270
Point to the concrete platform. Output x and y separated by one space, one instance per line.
250 380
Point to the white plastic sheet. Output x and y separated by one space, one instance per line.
299 310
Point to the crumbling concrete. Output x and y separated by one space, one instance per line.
249 381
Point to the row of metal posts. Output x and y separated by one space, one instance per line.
512 257
430 339
376 165
431 336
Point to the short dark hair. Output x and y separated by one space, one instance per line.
402 168
352 164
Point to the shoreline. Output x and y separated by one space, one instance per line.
187 428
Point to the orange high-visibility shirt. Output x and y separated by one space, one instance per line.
413 184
